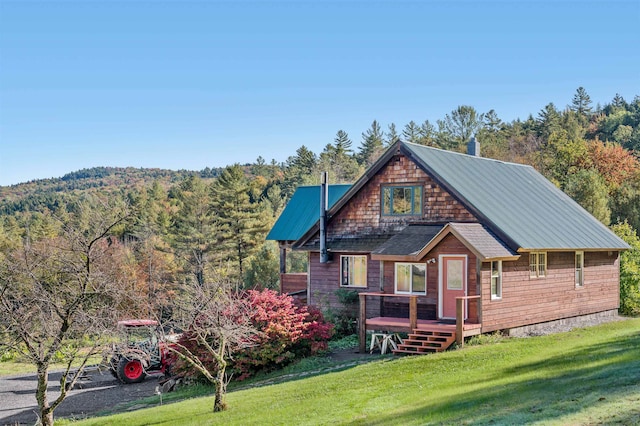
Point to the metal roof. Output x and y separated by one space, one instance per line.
517 203
303 211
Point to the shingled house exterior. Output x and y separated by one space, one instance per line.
431 237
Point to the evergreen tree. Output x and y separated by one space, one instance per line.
411 132
372 145
299 170
581 103
427 134
618 101
342 143
548 121
392 135
241 226
463 123
491 121
336 160
193 232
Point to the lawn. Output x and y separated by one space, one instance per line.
587 376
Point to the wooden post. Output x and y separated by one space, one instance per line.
283 259
413 312
460 321
362 325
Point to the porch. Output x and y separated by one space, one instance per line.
425 335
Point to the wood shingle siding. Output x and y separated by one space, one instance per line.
362 213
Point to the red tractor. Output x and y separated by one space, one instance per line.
142 352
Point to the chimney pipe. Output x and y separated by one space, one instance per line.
324 205
473 147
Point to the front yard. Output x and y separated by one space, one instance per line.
587 376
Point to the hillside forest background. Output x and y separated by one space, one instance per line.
191 226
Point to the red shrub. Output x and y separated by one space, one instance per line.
288 331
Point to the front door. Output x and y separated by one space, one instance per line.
452 284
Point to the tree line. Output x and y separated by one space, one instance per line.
65 255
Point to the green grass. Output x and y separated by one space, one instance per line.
587 376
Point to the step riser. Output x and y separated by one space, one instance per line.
426 341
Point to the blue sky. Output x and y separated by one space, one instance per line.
191 84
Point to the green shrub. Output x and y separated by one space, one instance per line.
629 270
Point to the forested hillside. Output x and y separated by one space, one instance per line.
191 224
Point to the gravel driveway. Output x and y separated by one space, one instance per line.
18 402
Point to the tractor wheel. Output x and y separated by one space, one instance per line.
130 371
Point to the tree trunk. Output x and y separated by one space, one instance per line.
221 385
46 413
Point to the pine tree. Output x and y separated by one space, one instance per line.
411 132
427 134
548 121
372 145
240 223
618 101
342 143
193 231
463 123
581 102
392 135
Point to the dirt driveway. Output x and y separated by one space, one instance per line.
18 402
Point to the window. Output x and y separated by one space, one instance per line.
496 280
537 264
401 200
411 278
353 271
579 269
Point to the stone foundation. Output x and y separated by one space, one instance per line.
564 324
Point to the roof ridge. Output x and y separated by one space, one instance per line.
511 163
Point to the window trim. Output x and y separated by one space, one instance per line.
395 279
579 269
352 257
498 294
538 264
414 188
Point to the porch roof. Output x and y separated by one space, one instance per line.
406 244
350 244
415 241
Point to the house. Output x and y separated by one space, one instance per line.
445 245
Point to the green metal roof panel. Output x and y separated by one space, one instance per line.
303 211
515 201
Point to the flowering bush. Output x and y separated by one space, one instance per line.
287 331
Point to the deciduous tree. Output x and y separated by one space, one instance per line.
217 324
60 295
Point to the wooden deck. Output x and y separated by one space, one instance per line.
456 329
402 325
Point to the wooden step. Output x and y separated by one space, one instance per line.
430 340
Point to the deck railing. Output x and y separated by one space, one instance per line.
461 310
362 323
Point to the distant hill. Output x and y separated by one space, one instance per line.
49 192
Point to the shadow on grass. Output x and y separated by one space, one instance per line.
591 377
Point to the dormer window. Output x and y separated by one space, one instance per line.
402 200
